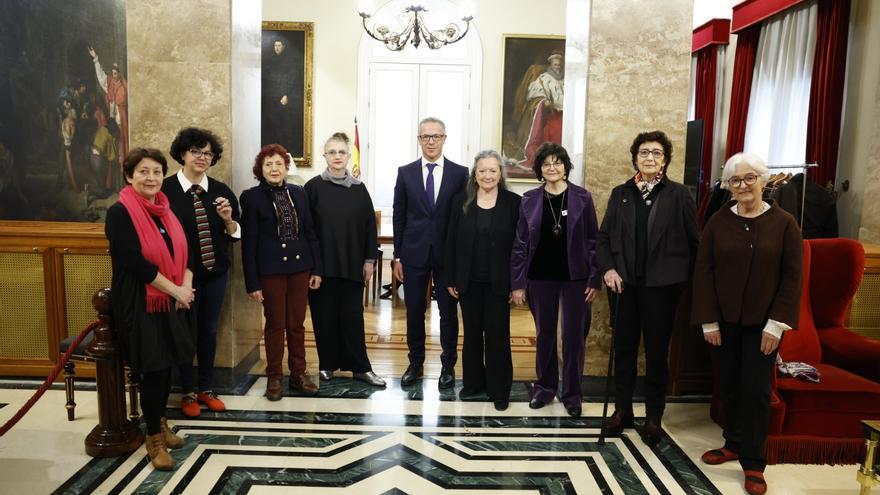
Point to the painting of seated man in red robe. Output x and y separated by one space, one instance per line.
532 100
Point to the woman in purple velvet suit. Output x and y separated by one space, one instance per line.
554 262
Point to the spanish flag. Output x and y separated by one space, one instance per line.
356 153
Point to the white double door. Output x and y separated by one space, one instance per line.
401 95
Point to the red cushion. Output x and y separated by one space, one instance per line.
831 408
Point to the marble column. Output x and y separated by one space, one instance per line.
869 231
186 60
639 69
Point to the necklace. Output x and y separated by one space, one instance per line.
557 221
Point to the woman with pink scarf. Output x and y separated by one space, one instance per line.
151 292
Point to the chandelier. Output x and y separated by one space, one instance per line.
415 30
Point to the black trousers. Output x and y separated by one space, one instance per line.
486 318
648 311
414 289
744 372
338 320
155 389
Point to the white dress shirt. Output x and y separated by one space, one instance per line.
438 175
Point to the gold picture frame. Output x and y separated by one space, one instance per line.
524 58
287 78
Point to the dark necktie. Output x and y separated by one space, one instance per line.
206 248
429 185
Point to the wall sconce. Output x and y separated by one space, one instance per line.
415 30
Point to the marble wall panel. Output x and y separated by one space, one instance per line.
639 70
176 31
165 99
869 232
180 74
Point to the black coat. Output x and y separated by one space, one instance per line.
460 242
672 234
262 252
820 207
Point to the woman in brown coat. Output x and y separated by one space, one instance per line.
747 291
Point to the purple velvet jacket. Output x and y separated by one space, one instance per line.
581 230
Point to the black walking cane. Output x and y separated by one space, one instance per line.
613 305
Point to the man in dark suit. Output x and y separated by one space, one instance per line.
422 198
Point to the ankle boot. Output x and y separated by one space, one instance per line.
159 456
171 440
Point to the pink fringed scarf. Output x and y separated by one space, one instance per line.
153 246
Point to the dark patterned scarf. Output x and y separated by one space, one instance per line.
285 212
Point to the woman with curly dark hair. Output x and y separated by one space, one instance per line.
647 246
554 262
208 211
282 261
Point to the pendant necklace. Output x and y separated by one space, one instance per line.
557 221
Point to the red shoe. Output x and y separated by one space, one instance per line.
189 406
755 484
210 399
719 456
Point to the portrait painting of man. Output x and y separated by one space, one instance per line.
63 108
532 100
286 87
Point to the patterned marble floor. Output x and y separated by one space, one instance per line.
379 450
353 439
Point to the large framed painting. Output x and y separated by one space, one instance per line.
531 113
63 108
287 88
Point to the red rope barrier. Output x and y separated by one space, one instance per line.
49 380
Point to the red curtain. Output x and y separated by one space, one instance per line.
704 108
826 92
743 67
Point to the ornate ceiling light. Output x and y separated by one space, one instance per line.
415 30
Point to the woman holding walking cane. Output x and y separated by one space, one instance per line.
647 245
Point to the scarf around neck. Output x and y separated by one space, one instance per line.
286 215
153 247
346 181
645 187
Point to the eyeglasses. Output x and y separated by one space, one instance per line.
553 165
735 181
199 154
425 138
657 154
341 153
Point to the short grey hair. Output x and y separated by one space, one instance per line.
432 120
755 162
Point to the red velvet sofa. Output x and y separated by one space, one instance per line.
819 423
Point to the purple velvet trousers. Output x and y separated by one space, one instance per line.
544 297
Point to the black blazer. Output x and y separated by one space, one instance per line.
460 242
262 252
182 206
672 234
418 230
